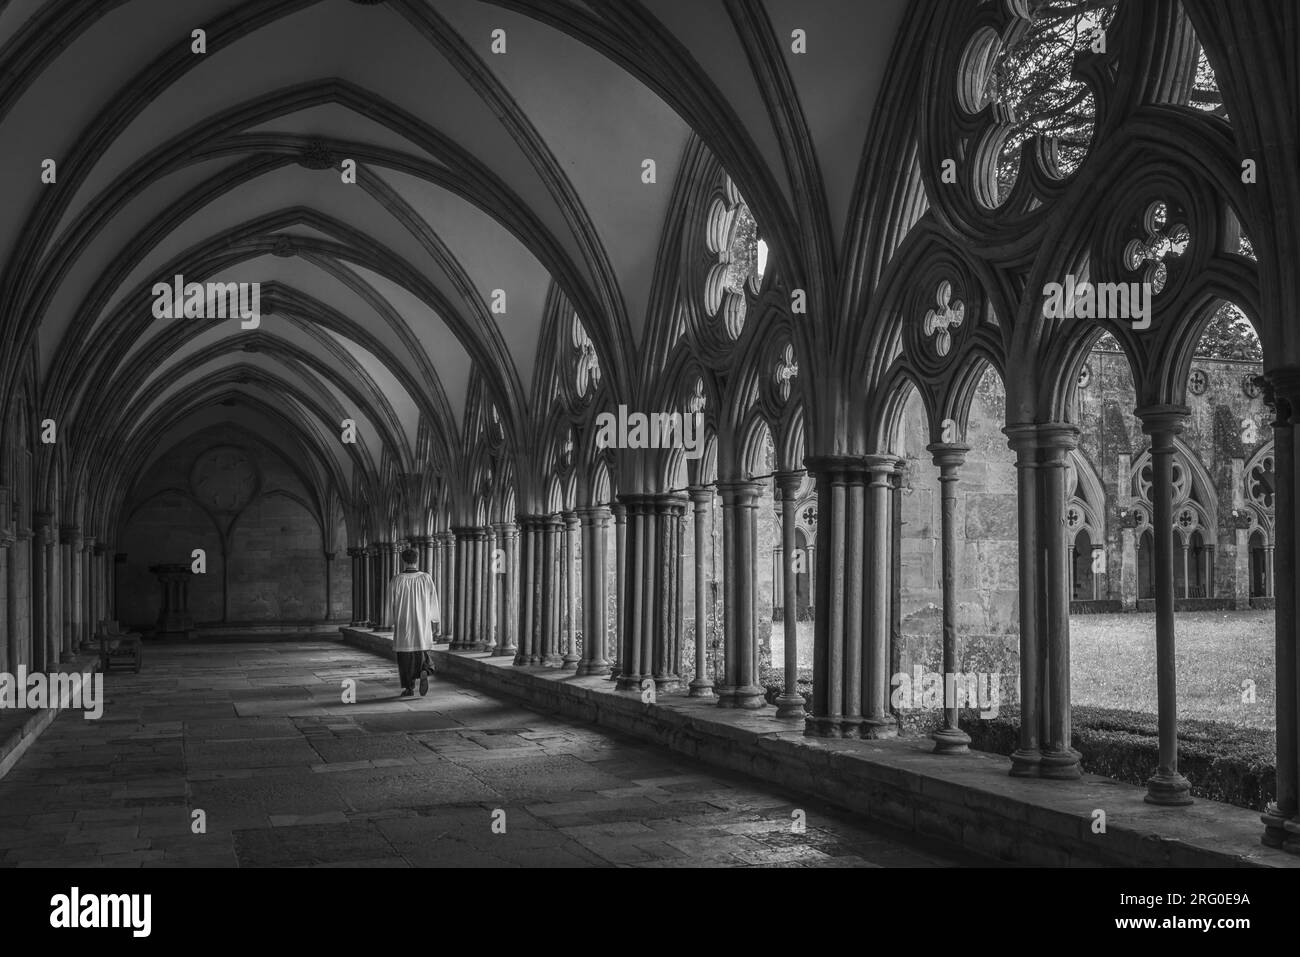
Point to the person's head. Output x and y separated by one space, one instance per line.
410 558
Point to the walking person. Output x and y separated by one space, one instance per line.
413 611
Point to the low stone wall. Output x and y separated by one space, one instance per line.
965 800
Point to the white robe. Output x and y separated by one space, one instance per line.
412 610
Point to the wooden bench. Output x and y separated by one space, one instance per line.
116 645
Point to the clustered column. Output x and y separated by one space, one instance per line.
854 588
1041 463
619 511
1281 817
507 595
358 587
595 523
530 590
571 527
701 505
740 687
790 703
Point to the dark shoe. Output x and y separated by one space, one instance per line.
424 685
408 693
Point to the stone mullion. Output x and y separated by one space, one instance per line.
701 504
790 702
1162 423
949 457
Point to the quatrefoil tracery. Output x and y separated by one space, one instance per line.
1160 243
946 316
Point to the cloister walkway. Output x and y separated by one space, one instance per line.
259 738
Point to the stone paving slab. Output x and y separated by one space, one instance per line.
256 736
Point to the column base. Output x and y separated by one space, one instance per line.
1275 826
1025 762
748 697
551 661
66 657
628 682
1292 843
790 706
951 741
667 684
850 726
878 729
502 652
1168 788
587 668
570 661
1061 765
820 726
701 688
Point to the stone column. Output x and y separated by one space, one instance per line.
877 722
571 527
375 595
595 521
462 587
839 584
1162 423
89 592
493 559
477 633
329 585
666 634
701 504
1281 817
450 610
949 457
358 589
619 511
1027 759
1128 575
507 590
741 687
632 620
551 596
424 545
45 652
528 609
1059 759
68 538
9 636
790 703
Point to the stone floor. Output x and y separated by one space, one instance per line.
259 738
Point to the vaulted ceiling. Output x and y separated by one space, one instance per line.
477 171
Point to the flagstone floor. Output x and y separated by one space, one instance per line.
285 773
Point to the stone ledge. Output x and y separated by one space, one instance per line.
19 728
966 800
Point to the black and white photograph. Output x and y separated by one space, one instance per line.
644 434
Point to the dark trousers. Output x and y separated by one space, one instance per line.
412 664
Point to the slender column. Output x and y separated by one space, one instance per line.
68 535
1187 583
493 558
551 594
833 474
632 615
701 504
619 511
358 608
504 577
740 517
595 521
462 586
1027 759
375 598
1060 760
8 598
450 609
949 457
571 527
527 653
1162 423
668 512
329 585
1281 816
47 598
790 703
896 563
478 636
877 721
1268 568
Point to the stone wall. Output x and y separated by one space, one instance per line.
252 514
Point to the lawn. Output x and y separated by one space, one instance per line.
1113 664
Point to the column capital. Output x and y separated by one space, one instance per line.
619 511
741 492
880 464
788 483
839 462
569 517
42 519
593 514
69 534
1162 421
329 556
506 529
1028 436
701 495
1285 384
356 551
948 455
419 541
